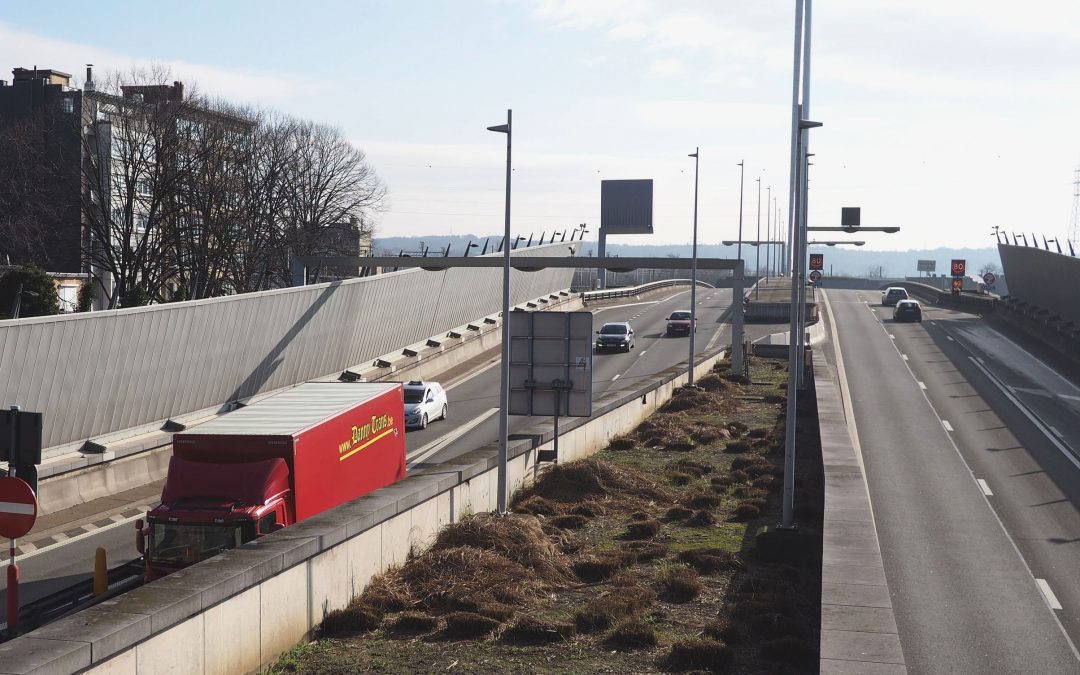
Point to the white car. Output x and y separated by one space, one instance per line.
424 402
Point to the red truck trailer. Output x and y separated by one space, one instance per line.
272 464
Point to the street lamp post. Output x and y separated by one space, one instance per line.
768 233
693 276
504 365
757 246
742 171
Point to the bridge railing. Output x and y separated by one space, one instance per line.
631 291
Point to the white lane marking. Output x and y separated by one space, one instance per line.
60 536
1062 447
1055 431
616 377
468 376
984 487
440 443
17 508
1048 594
904 356
933 323
950 338
64 540
945 423
644 351
891 336
922 386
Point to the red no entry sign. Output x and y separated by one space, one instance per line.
18 508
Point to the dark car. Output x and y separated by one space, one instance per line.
679 322
907 310
615 336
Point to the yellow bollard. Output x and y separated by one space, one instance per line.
101 572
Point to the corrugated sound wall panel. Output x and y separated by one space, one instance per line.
1047 280
99 373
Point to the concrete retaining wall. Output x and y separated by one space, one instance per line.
131 369
239 611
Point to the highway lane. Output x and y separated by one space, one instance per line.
965 596
612 371
471 423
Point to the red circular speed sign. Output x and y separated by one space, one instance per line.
18 507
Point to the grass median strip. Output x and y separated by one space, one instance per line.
655 555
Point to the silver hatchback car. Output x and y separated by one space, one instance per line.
892 295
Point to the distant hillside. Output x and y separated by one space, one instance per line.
839 261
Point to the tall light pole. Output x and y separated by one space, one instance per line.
504 365
757 246
742 171
693 276
768 233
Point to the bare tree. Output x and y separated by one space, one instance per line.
327 183
132 173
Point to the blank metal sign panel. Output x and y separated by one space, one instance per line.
551 360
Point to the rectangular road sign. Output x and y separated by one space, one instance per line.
626 206
551 361
958 267
28 427
850 216
927 266
817 261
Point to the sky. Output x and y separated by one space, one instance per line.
942 118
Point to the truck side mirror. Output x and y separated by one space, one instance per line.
140 537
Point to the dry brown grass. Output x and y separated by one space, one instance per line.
680 584
700 654
710 560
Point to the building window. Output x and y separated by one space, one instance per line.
68 105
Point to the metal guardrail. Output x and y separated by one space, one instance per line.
637 290
75 598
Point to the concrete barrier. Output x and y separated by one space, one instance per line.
238 611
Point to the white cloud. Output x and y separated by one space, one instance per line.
667 67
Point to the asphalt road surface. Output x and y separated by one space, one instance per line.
975 506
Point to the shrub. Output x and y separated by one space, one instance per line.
681 584
536 505
645 529
724 631
738 477
700 654
678 513
758 432
702 500
621 443
469 625
355 619
746 511
532 631
86 297
602 612
680 478
572 522
632 634
588 509
645 550
38 297
737 447
701 519
710 560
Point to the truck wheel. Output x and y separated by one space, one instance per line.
423 421
443 412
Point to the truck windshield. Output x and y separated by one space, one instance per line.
180 545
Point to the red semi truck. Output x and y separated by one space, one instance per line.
269 465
